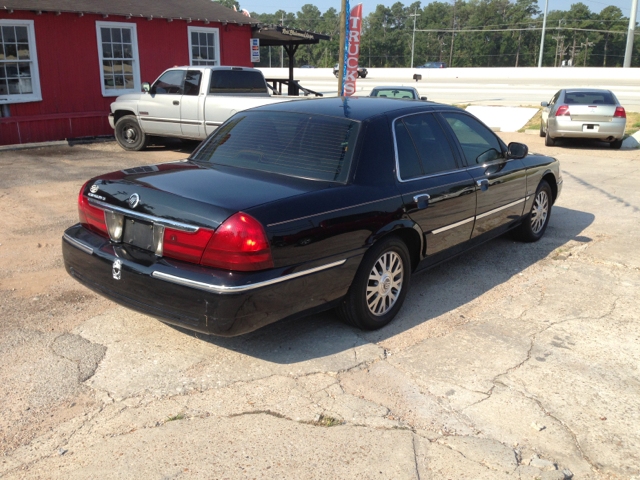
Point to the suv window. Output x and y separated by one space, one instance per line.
301 145
423 148
479 144
192 82
170 83
237 81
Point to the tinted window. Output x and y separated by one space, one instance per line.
192 82
295 144
237 81
169 83
432 145
479 144
588 98
408 160
394 93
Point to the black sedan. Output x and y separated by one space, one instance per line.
304 206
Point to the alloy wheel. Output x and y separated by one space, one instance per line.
385 283
539 211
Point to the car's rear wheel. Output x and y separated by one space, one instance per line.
548 141
129 135
364 75
616 145
535 223
379 287
542 134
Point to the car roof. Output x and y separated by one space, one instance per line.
581 90
394 88
354 108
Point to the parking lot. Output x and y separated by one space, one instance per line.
515 361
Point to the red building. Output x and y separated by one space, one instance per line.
62 62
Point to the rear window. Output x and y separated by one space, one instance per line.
237 81
294 144
589 98
393 93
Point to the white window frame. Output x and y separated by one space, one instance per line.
36 96
136 59
216 34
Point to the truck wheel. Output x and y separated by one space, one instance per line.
129 134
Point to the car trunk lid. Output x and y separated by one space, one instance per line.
591 113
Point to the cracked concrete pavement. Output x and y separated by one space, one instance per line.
514 361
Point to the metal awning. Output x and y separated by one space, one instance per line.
290 39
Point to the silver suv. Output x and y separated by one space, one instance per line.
583 113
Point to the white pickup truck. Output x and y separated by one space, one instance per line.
187 102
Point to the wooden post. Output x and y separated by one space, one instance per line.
343 35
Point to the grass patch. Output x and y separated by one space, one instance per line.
323 421
461 105
534 122
633 122
179 416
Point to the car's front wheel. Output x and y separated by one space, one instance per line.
379 287
129 135
616 145
535 223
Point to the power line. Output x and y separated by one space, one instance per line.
519 30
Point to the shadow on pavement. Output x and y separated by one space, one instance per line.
581 144
163 144
432 294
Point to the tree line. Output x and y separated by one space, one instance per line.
473 33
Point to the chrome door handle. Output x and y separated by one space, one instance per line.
483 184
422 198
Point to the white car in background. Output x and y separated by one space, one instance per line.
583 113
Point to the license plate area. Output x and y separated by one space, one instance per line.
139 234
590 127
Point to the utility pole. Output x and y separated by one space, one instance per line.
282 46
557 38
630 34
573 51
269 56
544 27
343 35
586 50
415 14
453 33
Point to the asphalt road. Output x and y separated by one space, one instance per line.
512 362
482 91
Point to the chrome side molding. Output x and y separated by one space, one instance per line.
240 288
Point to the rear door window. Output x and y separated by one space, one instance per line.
237 81
478 143
423 148
192 82
170 83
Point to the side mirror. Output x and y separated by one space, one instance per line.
146 87
544 104
423 98
517 150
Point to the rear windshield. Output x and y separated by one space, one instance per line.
393 93
237 81
294 144
589 98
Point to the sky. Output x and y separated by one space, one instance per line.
271 6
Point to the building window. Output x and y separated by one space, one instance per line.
19 78
204 46
119 63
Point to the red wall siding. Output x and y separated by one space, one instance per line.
69 67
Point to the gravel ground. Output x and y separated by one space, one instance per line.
513 361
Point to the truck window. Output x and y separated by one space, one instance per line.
192 82
237 81
170 83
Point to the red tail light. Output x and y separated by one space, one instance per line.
90 216
620 113
240 243
185 246
563 111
